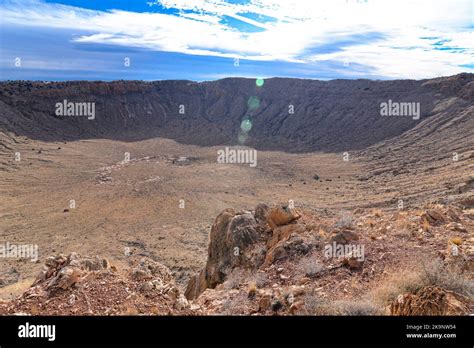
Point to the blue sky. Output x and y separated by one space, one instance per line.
211 39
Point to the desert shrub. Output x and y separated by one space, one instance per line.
351 307
314 305
309 267
387 292
260 279
345 221
235 279
434 273
235 306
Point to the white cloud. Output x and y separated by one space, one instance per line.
298 28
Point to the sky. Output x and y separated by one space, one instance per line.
200 40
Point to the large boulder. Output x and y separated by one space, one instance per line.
231 236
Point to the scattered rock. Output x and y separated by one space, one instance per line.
354 263
63 272
456 226
344 237
433 217
8 276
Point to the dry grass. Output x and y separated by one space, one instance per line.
434 273
437 274
252 290
260 279
345 221
309 267
235 279
314 305
235 306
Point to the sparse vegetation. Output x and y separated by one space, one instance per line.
235 279
260 279
309 267
449 278
314 305
235 305
345 221
252 290
434 273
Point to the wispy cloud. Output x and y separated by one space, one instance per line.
393 38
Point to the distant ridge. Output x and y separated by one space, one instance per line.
330 116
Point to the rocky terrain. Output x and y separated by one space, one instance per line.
253 269
132 214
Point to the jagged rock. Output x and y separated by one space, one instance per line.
278 253
261 211
231 235
287 241
279 216
62 272
430 301
148 269
8 276
467 202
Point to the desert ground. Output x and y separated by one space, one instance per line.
138 204
408 197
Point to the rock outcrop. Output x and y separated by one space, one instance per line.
81 285
231 236
253 269
243 240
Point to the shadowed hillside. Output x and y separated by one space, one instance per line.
328 116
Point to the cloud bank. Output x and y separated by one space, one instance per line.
393 38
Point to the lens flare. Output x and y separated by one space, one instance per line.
242 138
259 82
246 125
253 103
